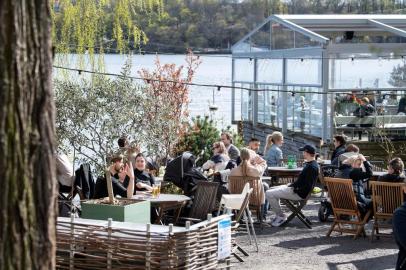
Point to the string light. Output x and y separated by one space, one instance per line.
148 80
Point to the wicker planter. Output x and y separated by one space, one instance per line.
129 211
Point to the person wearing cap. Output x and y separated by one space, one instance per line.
298 190
119 173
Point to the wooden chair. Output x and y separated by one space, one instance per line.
344 204
386 198
203 202
236 185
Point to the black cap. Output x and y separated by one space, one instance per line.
308 148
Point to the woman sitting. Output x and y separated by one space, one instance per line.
219 160
396 173
358 177
251 165
143 179
273 152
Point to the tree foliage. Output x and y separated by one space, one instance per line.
398 76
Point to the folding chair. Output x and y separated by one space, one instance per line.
296 208
386 198
236 185
344 205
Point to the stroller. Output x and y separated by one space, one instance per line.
326 209
182 172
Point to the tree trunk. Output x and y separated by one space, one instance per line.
27 169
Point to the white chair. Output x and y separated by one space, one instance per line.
240 202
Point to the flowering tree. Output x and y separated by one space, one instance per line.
166 106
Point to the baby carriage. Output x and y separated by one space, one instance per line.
326 209
182 172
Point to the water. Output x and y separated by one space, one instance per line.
216 70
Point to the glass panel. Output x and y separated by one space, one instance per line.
362 37
304 71
286 38
260 40
269 70
305 110
269 106
367 73
244 69
237 103
246 103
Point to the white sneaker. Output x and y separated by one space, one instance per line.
278 221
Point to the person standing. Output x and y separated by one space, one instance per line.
232 150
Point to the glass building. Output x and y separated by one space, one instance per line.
309 74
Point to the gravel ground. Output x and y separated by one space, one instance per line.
296 247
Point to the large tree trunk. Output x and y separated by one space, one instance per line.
27 170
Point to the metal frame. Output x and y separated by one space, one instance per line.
307 25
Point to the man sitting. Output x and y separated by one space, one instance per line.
298 190
119 172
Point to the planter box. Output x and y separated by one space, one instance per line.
138 212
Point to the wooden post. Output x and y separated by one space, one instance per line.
72 242
109 251
148 253
188 253
109 186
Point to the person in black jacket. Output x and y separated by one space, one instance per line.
358 177
396 173
119 173
143 179
299 189
399 233
339 148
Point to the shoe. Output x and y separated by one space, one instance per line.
278 221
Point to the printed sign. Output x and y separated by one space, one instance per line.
224 238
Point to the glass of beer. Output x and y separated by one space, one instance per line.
154 191
158 186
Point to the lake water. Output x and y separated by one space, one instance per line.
216 69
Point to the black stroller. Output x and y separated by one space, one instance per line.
326 209
182 172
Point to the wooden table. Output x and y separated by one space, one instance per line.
164 202
284 172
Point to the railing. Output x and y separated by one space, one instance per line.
94 244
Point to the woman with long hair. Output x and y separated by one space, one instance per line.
219 160
273 152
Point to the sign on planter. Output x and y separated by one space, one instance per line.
224 238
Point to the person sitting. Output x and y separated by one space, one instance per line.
119 172
232 150
143 179
396 173
254 145
219 160
64 172
298 190
365 108
273 152
399 233
251 164
358 176
344 164
339 148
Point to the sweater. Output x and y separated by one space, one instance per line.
307 179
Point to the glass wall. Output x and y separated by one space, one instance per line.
270 71
304 71
270 106
244 70
353 73
305 110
